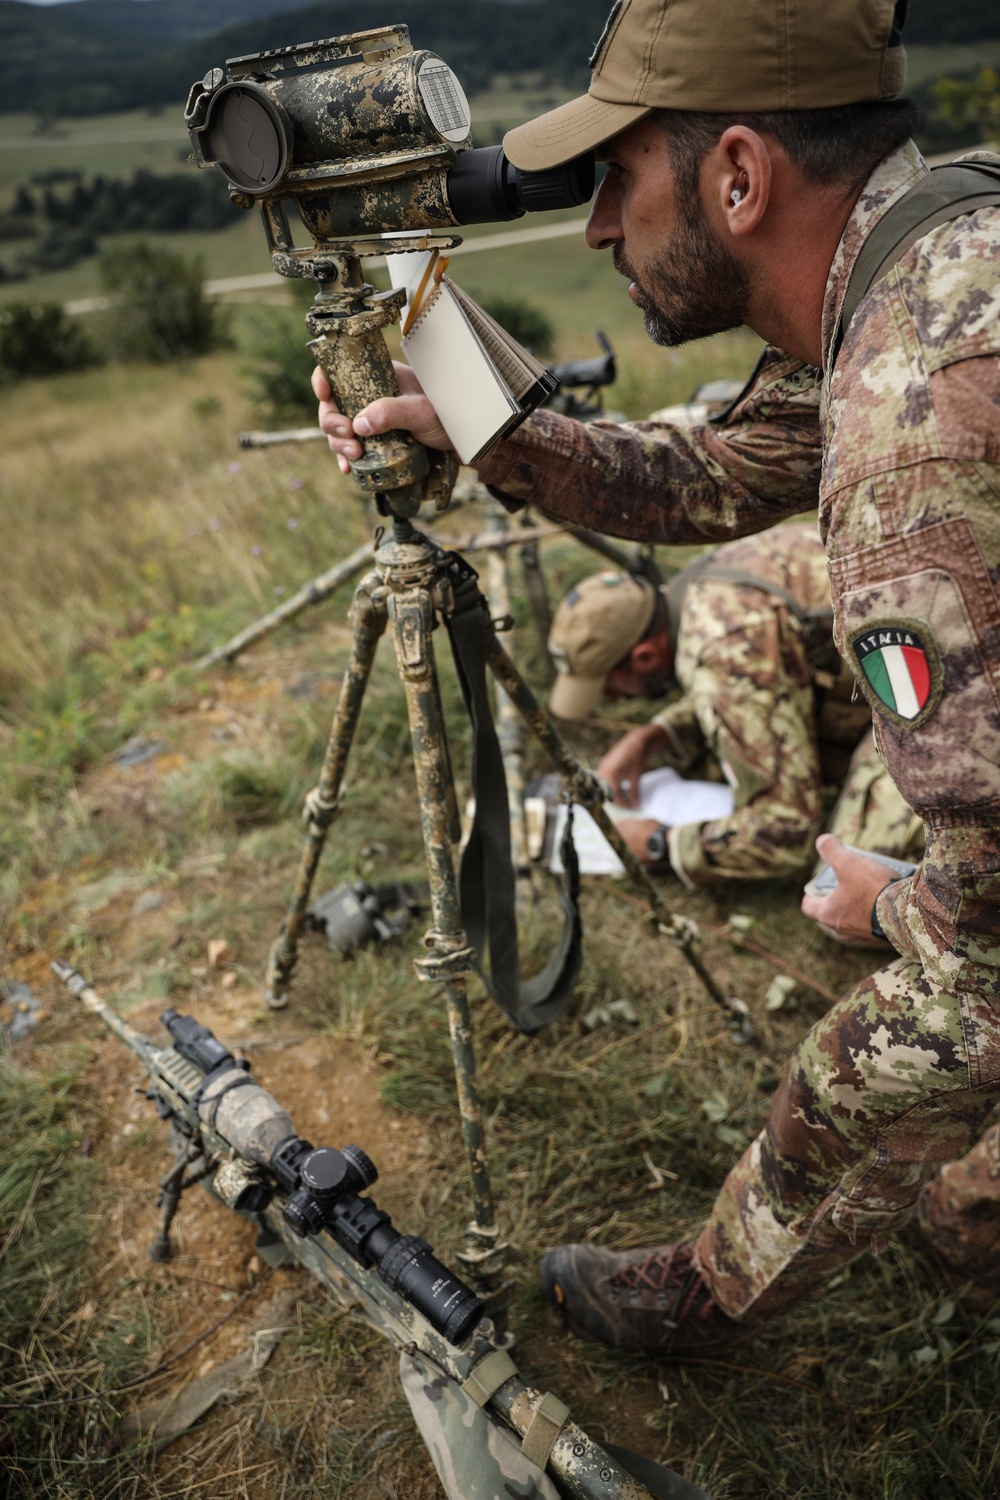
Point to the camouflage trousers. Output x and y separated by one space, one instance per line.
882 1111
870 812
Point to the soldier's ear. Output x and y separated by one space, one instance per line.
646 656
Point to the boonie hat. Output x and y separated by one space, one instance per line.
723 56
595 627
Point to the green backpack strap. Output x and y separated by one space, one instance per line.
944 193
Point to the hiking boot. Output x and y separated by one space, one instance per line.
971 1271
653 1300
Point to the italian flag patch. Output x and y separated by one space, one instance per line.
901 671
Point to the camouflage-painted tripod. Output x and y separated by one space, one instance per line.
414 583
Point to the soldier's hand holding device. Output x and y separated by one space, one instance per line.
841 898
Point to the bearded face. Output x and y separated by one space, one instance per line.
693 286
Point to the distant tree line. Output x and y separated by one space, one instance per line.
80 59
65 213
478 38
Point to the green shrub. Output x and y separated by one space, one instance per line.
158 309
39 338
524 322
276 340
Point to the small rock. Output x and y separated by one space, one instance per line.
229 980
218 951
25 1012
779 994
148 901
137 750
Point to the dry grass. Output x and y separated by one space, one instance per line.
114 574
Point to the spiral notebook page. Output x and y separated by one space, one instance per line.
479 380
458 378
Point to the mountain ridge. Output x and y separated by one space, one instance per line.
96 56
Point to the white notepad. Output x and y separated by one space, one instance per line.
479 380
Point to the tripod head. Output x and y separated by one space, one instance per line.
371 143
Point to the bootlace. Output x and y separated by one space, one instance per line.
657 1273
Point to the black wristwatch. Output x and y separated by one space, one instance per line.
656 848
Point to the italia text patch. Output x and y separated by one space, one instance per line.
901 665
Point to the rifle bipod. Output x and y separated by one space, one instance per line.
174 1183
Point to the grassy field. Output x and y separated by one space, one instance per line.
135 536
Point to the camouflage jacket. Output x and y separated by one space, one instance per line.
904 447
750 698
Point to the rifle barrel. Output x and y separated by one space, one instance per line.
85 992
586 1470
263 439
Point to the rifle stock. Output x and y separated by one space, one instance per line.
232 1148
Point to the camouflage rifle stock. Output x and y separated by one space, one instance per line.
233 1137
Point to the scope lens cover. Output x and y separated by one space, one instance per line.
246 137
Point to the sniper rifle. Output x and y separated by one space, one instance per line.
230 1135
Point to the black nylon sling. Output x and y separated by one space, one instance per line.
486 877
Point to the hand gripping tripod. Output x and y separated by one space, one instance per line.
414 584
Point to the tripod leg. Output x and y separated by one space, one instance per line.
368 620
538 601
509 724
587 790
449 960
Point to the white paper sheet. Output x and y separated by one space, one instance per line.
449 361
671 800
663 795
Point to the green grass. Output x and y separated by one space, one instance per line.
52 1343
136 536
115 144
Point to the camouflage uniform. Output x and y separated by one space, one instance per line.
902 1074
777 717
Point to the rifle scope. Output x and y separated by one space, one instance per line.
321 1185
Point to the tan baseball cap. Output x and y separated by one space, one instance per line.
722 56
595 628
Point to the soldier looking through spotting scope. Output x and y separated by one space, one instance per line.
757 158
745 632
